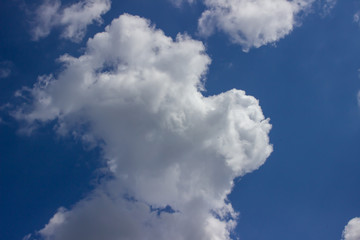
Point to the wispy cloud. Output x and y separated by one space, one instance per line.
356 17
179 3
5 69
327 6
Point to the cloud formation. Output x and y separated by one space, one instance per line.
73 20
352 230
251 23
172 153
255 23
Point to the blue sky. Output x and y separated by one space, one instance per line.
63 159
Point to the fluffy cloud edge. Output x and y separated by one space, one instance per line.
136 94
255 23
252 24
72 20
352 230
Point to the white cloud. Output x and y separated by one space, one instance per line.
251 23
73 19
255 23
352 230
137 94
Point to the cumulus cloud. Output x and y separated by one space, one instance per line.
251 23
73 19
352 230
254 23
172 152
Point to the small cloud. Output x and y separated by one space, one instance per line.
252 23
255 23
327 6
352 230
5 69
179 3
4 73
73 19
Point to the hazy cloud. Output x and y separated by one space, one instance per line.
172 153
327 6
73 19
180 2
5 69
356 17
